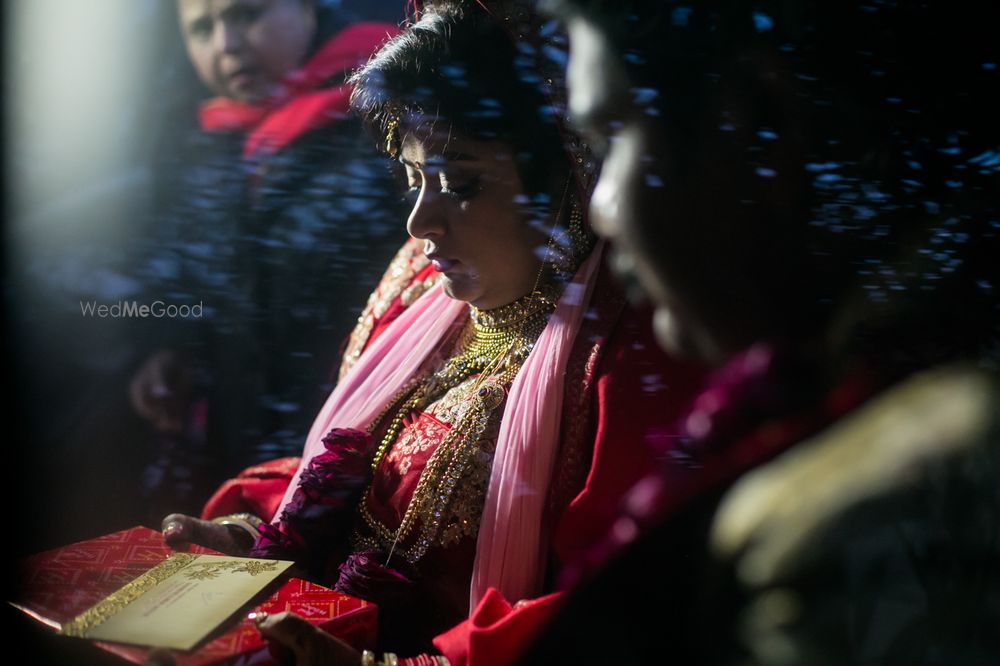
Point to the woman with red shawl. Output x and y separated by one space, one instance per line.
277 201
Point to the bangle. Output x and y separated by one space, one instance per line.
390 659
367 658
424 660
247 522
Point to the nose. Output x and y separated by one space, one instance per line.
427 219
228 37
605 204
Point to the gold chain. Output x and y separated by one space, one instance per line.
500 347
493 344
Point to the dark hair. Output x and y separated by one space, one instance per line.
460 64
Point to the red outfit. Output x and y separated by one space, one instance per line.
621 390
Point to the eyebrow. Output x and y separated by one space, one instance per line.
447 157
199 21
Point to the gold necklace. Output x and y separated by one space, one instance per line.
495 341
494 344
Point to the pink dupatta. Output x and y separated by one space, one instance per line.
511 548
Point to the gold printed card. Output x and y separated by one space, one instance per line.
177 603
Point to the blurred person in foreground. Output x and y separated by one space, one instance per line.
808 191
276 215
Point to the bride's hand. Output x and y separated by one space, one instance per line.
294 641
180 530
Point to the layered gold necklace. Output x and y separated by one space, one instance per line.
493 344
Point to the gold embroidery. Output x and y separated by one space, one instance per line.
466 509
417 289
448 501
416 438
487 355
209 570
116 601
184 563
409 261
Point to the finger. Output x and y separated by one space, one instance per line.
173 525
180 530
160 657
310 645
280 654
288 631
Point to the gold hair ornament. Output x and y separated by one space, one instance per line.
392 137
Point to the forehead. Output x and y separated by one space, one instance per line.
595 76
437 141
189 9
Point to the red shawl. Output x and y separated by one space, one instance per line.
306 99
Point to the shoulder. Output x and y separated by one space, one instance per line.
918 435
886 523
408 276
616 348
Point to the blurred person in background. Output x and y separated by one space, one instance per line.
82 155
277 215
269 209
808 193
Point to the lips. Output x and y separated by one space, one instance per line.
242 77
442 264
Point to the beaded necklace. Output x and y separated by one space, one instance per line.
493 344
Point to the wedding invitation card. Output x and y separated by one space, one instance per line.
177 603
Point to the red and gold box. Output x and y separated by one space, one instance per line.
55 586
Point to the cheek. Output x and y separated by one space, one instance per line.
605 211
505 246
617 206
280 43
203 58
494 229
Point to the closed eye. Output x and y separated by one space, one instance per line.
412 194
462 190
201 28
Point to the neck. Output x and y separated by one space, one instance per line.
541 300
496 342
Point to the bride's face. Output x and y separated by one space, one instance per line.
467 203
